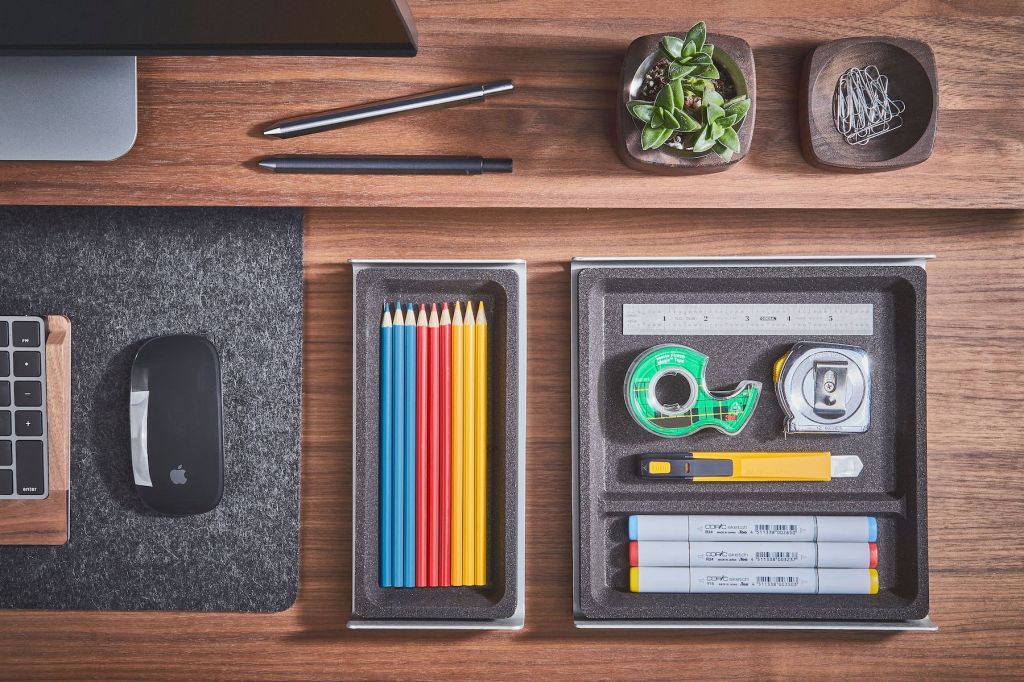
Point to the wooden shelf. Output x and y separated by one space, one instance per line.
199 116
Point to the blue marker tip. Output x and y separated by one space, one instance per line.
872 529
632 528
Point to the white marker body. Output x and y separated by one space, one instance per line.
754 528
754 554
724 579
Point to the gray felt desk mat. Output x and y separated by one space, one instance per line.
125 274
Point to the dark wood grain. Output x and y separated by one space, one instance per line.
200 115
665 160
975 478
910 67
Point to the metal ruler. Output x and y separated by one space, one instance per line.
742 319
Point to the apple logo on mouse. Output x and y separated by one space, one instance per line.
178 476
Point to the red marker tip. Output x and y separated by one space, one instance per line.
634 553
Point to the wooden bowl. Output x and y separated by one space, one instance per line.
732 55
910 66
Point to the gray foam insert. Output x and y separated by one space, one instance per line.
891 486
498 287
123 275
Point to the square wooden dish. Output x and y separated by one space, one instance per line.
732 55
910 67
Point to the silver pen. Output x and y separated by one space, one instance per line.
465 94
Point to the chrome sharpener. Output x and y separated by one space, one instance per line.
824 388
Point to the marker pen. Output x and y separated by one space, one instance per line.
727 579
754 554
761 528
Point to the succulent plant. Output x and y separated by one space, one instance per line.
690 58
689 103
663 117
719 120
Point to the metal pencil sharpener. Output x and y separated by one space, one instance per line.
824 388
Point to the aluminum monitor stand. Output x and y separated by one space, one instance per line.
67 108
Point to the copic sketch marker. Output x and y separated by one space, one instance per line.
422 501
754 554
742 579
756 528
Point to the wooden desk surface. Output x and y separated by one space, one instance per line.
200 117
975 475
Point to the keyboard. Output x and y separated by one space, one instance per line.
24 470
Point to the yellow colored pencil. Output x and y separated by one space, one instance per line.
457 437
468 447
481 447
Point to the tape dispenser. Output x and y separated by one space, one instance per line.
824 388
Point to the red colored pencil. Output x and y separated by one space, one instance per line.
445 372
421 447
433 449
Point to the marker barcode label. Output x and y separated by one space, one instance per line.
776 556
743 319
776 528
777 581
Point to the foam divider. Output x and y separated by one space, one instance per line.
501 286
891 487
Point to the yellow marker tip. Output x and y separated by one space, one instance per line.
874 580
634 579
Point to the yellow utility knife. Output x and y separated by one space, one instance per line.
712 467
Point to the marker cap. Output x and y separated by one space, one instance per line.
847 581
847 529
847 555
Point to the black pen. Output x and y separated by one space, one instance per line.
387 165
464 94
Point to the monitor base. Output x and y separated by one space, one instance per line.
67 108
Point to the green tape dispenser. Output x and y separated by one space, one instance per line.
666 394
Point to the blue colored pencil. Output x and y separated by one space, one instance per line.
410 448
386 504
398 448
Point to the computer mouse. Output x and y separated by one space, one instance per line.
177 425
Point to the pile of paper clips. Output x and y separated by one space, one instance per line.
862 108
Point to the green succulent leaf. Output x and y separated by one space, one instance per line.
698 34
657 118
713 112
689 49
699 59
738 106
669 120
727 121
665 99
716 131
711 97
677 71
641 110
730 139
710 72
704 141
708 49
672 46
687 123
678 96
723 151
652 138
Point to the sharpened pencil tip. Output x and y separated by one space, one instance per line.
268 165
273 131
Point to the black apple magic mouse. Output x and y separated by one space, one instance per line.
177 425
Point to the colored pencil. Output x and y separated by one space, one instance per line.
409 572
398 447
421 447
433 448
468 448
384 472
444 352
480 521
457 444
